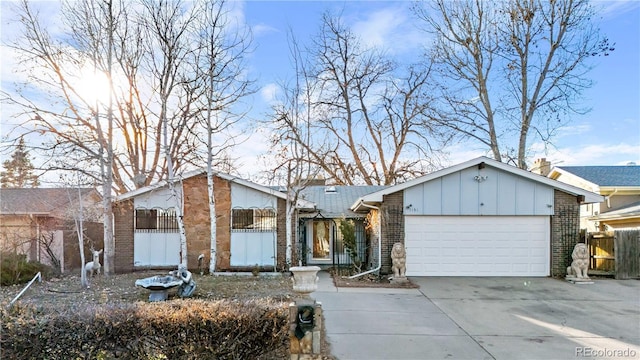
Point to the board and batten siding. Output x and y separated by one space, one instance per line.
473 191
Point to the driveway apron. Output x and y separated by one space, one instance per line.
483 318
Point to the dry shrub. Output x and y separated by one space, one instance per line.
15 269
180 329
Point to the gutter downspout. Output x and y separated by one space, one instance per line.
608 197
379 242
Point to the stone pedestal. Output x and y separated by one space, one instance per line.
305 315
305 331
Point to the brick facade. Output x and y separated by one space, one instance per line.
222 194
123 216
197 226
392 226
565 229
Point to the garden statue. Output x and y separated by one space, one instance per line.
580 264
94 266
398 261
188 285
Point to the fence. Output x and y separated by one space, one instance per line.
627 254
615 253
339 255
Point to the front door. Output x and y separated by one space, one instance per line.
320 241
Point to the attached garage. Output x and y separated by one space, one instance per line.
478 218
477 245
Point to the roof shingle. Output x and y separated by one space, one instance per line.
37 200
627 175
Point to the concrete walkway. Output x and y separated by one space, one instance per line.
483 318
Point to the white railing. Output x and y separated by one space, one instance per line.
38 276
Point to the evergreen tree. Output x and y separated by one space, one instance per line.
18 171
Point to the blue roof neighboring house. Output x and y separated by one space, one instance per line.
626 175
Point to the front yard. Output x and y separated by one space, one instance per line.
228 317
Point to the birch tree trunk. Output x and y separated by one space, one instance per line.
78 219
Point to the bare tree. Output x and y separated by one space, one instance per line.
512 69
369 123
57 103
219 68
148 126
291 139
167 29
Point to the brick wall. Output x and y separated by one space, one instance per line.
123 235
222 194
392 226
565 227
197 220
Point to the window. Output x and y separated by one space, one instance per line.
253 220
156 220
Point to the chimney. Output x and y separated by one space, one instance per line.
541 167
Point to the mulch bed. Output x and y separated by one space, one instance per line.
370 281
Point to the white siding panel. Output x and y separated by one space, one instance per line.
251 248
507 195
544 200
450 195
525 197
432 197
469 193
158 198
244 197
414 196
477 245
156 249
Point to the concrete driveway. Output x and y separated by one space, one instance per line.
484 318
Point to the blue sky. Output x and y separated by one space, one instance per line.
608 135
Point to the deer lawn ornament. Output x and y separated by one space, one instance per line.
94 265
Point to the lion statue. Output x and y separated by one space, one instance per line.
398 260
580 264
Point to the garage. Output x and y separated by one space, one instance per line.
479 218
477 245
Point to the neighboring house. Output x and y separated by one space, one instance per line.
478 218
250 225
319 230
620 186
35 221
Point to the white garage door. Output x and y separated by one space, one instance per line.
477 245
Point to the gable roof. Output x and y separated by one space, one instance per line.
630 211
377 197
336 203
38 201
265 189
626 175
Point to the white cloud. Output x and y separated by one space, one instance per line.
611 9
269 93
262 29
389 29
593 154
573 130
